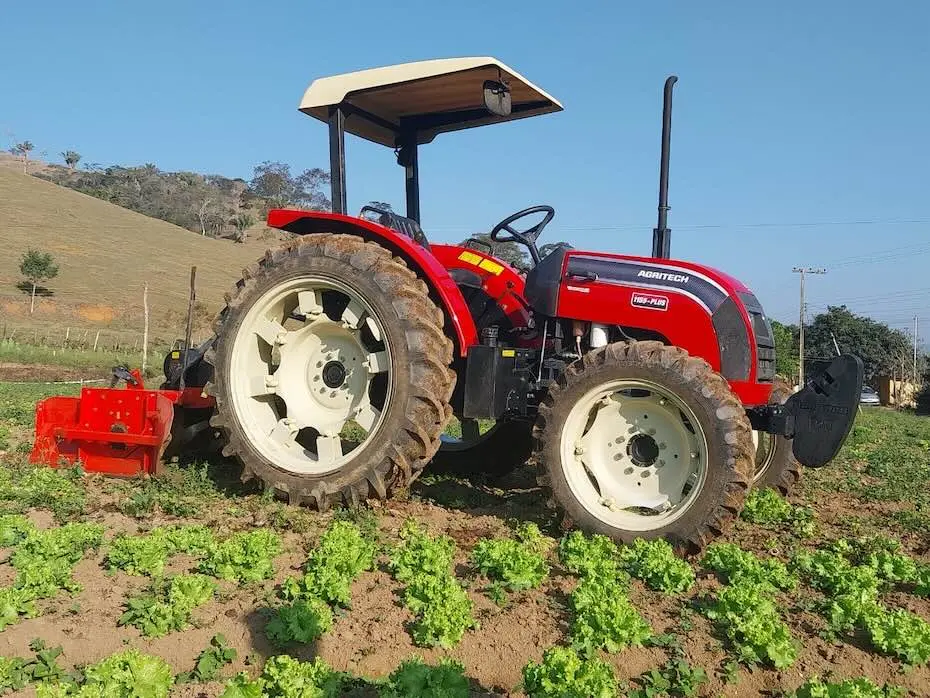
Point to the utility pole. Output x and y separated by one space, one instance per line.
802 271
916 381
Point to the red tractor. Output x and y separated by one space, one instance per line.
644 387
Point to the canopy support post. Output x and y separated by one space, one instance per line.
411 163
337 158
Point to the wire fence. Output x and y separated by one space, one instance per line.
83 338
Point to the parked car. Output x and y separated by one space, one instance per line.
869 396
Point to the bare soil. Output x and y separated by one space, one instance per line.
15 372
371 638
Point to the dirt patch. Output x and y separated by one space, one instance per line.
102 314
39 373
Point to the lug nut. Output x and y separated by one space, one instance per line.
662 446
694 454
651 432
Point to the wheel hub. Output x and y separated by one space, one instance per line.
334 374
643 450
631 454
312 373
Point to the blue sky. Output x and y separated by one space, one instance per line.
809 116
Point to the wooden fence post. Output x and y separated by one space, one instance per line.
145 331
96 339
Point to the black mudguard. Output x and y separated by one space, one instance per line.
824 410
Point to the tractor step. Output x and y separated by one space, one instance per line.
115 431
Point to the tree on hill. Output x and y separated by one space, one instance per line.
37 266
71 158
883 350
242 221
207 204
786 349
23 149
274 182
204 209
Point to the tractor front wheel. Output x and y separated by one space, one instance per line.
776 465
641 440
331 372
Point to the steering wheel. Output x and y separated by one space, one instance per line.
528 236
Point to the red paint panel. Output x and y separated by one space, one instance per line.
434 273
684 323
680 319
107 430
506 287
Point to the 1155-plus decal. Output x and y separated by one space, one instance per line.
649 301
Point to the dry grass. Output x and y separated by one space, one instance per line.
105 253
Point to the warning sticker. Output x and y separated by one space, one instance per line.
482 263
470 257
490 266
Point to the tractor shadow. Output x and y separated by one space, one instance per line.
515 496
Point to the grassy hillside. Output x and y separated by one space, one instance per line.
105 253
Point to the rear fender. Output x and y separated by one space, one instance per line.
442 286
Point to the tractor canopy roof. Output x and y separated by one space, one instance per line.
390 104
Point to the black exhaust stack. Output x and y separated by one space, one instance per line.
661 235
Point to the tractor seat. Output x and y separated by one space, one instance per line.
541 288
395 221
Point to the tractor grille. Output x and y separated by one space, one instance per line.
765 340
765 370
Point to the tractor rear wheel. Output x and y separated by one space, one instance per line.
331 372
641 440
776 465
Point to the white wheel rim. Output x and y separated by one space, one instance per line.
634 454
764 447
473 433
310 366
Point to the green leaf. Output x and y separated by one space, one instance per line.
168 605
442 607
750 620
655 563
589 556
415 679
605 618
303 621
243 557
515 564
563 673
